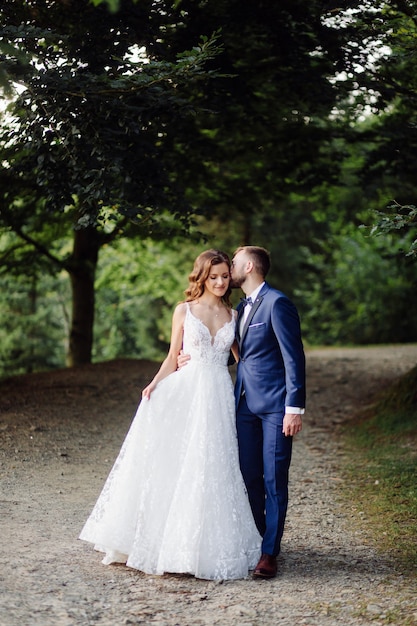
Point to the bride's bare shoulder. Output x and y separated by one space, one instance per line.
180 310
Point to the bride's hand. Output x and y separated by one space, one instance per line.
146 393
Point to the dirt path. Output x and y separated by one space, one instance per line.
60 433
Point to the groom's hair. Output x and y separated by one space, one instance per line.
260 257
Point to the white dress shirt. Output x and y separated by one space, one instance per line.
248 307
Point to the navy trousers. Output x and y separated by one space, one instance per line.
265 457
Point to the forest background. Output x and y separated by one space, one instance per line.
135 134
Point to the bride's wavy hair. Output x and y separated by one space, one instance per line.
201 271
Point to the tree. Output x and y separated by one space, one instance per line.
119 133
89 141
268 108
102 139
266 128
380 84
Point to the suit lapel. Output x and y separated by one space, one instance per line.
253 310
239 317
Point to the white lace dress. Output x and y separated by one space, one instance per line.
175 500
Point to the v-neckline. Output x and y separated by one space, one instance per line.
213 338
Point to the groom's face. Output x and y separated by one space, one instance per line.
238 270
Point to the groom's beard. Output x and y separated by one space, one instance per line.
236 283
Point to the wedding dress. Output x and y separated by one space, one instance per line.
175 500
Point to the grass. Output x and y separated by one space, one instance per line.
382 471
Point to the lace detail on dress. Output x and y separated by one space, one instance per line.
175 500
199 343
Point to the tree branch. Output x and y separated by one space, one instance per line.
40 248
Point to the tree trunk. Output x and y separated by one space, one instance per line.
82 270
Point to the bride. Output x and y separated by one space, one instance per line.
175 500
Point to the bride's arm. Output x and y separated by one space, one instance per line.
169 365
235 348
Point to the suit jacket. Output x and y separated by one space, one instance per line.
271 367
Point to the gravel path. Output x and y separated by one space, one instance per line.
60 433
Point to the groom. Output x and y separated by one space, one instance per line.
270 396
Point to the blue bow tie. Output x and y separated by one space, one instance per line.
246 301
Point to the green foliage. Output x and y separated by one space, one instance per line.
398 218
92 130
138 285
89 144
358 292
264 127
35 304
33 323
113 5
284 129
382 476
379 58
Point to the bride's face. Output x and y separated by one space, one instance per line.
218 280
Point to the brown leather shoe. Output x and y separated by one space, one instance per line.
266 568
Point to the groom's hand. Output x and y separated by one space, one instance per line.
182 359
292 424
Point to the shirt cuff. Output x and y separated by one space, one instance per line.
294 409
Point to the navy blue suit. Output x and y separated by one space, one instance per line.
270 376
